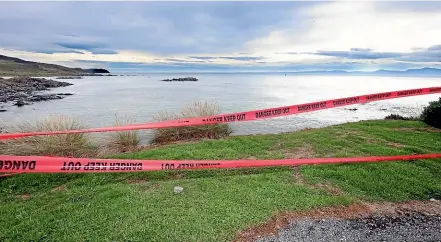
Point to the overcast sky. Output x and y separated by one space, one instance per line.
224 36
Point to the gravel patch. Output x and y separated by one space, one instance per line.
363 221
410 226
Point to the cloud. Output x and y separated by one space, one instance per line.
239 58
224 35
78 46
360 53
156 27
90 47
334 26
104 52
434 48
431 54
202 57
52 51
243 58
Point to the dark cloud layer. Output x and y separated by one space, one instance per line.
155 27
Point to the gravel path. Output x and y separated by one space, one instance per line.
409 226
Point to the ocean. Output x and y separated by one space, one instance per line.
97 100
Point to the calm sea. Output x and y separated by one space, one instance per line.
98 99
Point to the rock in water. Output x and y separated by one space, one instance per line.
181 79
69 77
20 103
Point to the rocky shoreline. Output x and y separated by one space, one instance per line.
69 77
21 90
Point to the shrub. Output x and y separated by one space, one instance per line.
431 114
125 140
74 145
399 117
196 109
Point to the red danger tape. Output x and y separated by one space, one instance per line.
245 116
26 164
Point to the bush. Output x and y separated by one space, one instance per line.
196 109
399 117
431 114
74 145
125 140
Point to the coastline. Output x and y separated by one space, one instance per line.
20 91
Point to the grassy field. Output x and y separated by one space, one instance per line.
9 68
216 204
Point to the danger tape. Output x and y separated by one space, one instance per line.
41 164
244 116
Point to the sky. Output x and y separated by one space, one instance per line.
224 36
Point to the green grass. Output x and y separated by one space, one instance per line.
9 68
216 204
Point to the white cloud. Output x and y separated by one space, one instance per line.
344 25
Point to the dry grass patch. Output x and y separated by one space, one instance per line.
59 188
196 109
123 141
305 151
326 186
71 145
428 129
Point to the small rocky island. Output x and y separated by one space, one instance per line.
181 79
21 90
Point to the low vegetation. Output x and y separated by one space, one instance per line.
399 117
10 66
217 204
74 145
126 140
81 145
196 109
431 114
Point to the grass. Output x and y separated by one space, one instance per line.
11 68
75 145
196 109
124 141
216 204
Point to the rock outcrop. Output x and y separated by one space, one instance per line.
181 79
21 90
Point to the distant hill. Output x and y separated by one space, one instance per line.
10 66
426 71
